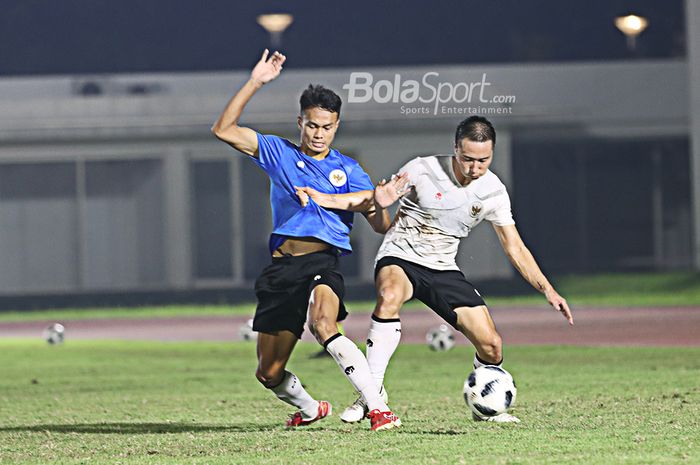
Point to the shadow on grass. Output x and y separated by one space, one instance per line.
443 432
140 428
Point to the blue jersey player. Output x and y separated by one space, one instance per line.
303 278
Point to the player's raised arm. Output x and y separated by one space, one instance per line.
226 127
522 259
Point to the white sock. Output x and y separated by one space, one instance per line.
382 340
292 392
480 363
352 361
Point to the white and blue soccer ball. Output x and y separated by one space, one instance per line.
489 391
54 334
246 331
440 339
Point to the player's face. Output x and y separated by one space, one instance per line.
472 160
318 127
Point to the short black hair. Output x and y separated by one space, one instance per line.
475 129
317 96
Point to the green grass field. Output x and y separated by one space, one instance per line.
138 402
627 290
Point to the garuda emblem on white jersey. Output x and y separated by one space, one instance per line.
475 209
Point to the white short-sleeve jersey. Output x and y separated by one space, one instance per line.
438 212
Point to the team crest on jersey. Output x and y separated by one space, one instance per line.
438 196
338 178
475 210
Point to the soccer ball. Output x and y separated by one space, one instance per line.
489 391
246 331
54 333
440 339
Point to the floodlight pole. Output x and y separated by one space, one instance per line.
275 40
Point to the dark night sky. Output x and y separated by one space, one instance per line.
97 36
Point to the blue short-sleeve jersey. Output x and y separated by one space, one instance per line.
287 167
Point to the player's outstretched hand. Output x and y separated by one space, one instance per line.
268 68
559 304
386 193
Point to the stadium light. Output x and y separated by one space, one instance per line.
275 24
631 26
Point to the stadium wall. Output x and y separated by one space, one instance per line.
113 185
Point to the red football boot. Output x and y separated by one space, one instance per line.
324 410
383 420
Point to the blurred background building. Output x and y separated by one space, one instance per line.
113 189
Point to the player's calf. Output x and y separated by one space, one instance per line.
491 350
323 328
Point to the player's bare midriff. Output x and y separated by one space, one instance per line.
300 246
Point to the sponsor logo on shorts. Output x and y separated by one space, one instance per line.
338 178
370 343
317 277
349 370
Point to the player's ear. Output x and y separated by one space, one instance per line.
300 120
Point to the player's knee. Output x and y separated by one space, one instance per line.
269 377
389 302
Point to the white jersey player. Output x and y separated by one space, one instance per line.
437 212
447 196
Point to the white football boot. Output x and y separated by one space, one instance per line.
502 418
358 410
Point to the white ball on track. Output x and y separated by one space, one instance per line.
54 334
246 331
440 339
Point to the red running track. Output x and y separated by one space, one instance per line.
670 326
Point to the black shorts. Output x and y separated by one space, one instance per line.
442 291
284 287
